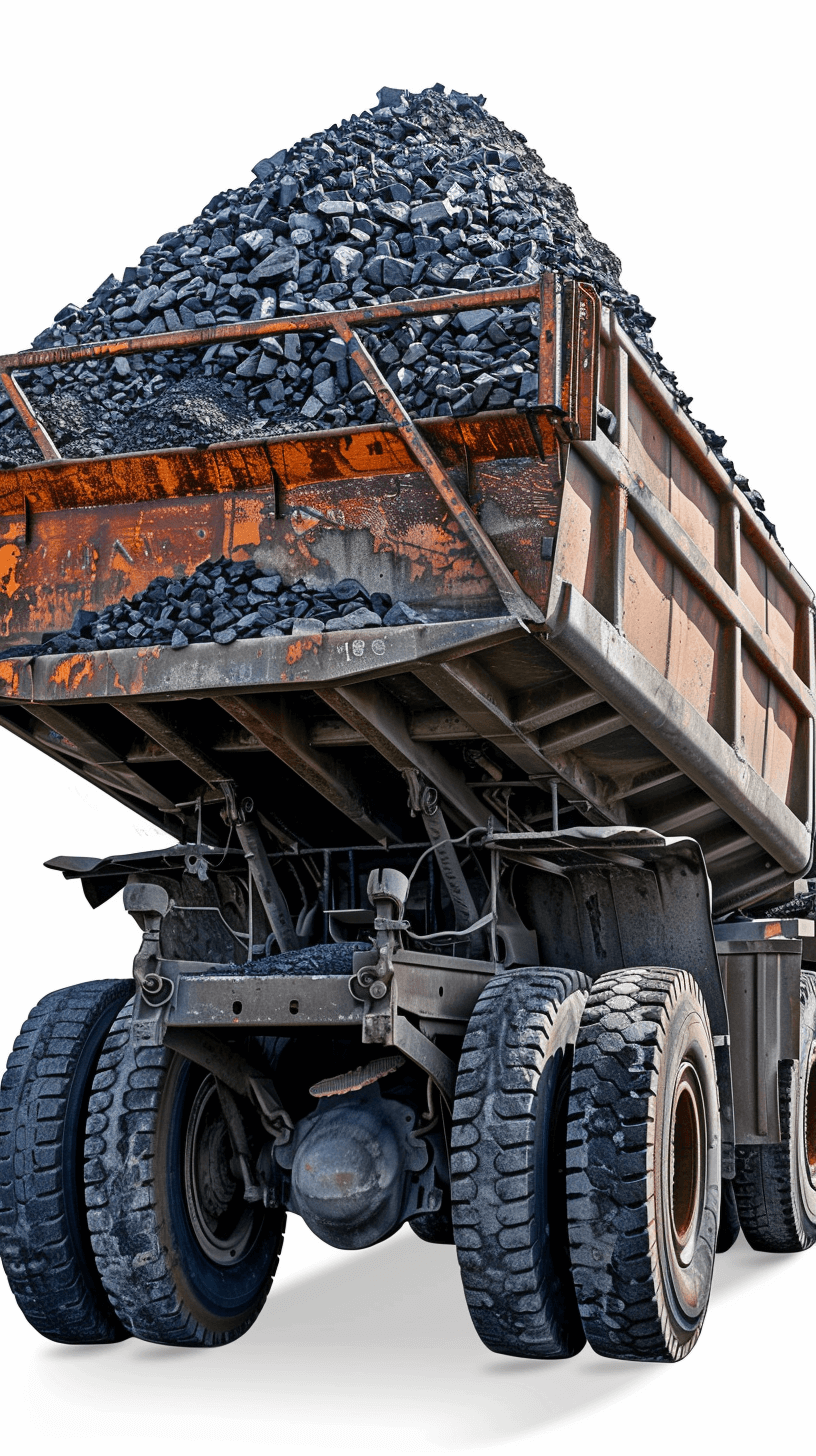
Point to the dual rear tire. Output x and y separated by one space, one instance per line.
643 1184
166 1248
586 1164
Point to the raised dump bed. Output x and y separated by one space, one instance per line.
609 612
435 944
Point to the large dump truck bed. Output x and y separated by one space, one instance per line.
656 663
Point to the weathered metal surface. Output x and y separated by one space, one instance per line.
381 721
177 744
476 696
266 883
517 603
391 530
307 459
207 668
275 724
646 387
568 356
761 979
426 1054
426 987
765 614
581 636
216 999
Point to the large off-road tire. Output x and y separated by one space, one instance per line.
776 1184
44 1239
643 1160
508 1163
183 1258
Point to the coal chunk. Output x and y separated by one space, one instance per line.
401 615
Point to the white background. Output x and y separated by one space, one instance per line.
685 132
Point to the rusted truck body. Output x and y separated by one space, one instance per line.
455 872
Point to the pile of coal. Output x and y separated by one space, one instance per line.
425 194
418 198
219 602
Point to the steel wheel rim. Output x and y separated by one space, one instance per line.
222 1222
809 1128
687 1164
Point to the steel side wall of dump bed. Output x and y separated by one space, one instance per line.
711 647
660 588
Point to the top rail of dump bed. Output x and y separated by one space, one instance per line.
567 374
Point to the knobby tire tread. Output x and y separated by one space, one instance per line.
44 1241
609 1164
519 1303
133 1265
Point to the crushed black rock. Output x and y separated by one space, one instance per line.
219 602
425 194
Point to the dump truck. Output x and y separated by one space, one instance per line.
495 923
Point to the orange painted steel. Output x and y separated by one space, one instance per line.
515 599
337 503
290 460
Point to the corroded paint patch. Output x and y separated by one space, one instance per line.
10 677
298 646
9 558
70 672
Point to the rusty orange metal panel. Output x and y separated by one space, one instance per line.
116 553
254 464
584 361
390 530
